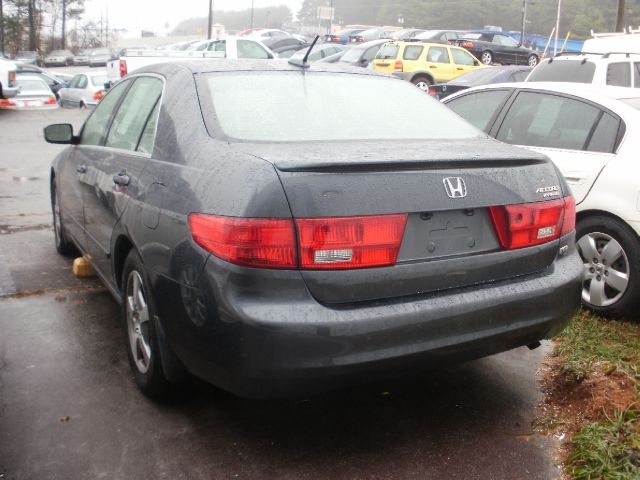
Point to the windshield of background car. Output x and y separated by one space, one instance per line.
563 71
304 107
57 52
100 51
387 51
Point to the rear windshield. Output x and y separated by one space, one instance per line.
481 76
387 51
99 80
299 107
563 71
32 85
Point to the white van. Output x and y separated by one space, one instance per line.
8 85
613 43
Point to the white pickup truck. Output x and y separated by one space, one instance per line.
226 47
8 85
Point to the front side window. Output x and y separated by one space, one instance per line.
133 114
619 74
460 57
505 41
552 121
479 108
95 128
304 107
438 55
217 46
249 49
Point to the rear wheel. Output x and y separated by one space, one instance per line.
63 245
142 339
486 57
533 60
611 257
422 82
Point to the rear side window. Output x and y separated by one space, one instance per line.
605 136
619 74
412 52
249 49
636 75
218 46
553 121
133 114
438 55
563 71
96 125
82 81
387 52
479 108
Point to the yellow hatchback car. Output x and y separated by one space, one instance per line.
424 64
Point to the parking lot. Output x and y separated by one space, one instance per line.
70 409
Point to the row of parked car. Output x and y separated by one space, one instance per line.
94 57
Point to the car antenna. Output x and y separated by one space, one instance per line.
303 63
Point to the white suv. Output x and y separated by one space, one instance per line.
8 85
613 69
594 141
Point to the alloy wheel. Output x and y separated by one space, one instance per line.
486 58
606 269
138 331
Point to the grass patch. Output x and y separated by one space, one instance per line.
590 339
608 450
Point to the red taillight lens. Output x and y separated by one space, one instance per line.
253 242
5 102
98 96
350 242
51 101
432 91
569 221
529 224
398 67
123 68
467 44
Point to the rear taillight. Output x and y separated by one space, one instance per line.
398 67
123 68
321 243
467 44
12 78
335 39
360 39
529 224
51 101
98 96
350 242
432 91
5 102
254 242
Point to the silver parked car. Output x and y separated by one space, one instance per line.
34 94
82 57
59 57
84 90
100 56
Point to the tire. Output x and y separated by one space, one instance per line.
486 57
422 82
61 102
533 60
63 245
605 292
142 340
82 105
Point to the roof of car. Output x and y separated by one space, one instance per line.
250 65
582 56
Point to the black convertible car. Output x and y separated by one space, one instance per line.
260 235
497 48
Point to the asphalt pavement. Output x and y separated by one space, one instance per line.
69 408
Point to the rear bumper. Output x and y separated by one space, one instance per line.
268 337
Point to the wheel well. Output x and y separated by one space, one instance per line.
422 74
590 213
122 248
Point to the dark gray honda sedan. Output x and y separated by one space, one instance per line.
279 230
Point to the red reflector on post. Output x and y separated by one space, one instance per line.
529 224
252 242
350 242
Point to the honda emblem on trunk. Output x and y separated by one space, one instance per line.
455 187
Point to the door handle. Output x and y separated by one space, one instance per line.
121 178
81 168
459 68
433 66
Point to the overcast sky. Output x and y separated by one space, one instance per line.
153 14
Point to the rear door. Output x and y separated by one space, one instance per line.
439 63
116 166
580 137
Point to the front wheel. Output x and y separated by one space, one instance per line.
610 253
63 245
533 60
486 57
422 82
142 339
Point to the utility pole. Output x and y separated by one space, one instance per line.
210 19
64 18
555 48
524 21
1 27
620 17
251 28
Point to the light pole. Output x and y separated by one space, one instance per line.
524 21
210 19
251 28
555 48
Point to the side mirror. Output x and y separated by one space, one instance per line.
364 62
61 133
476 63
